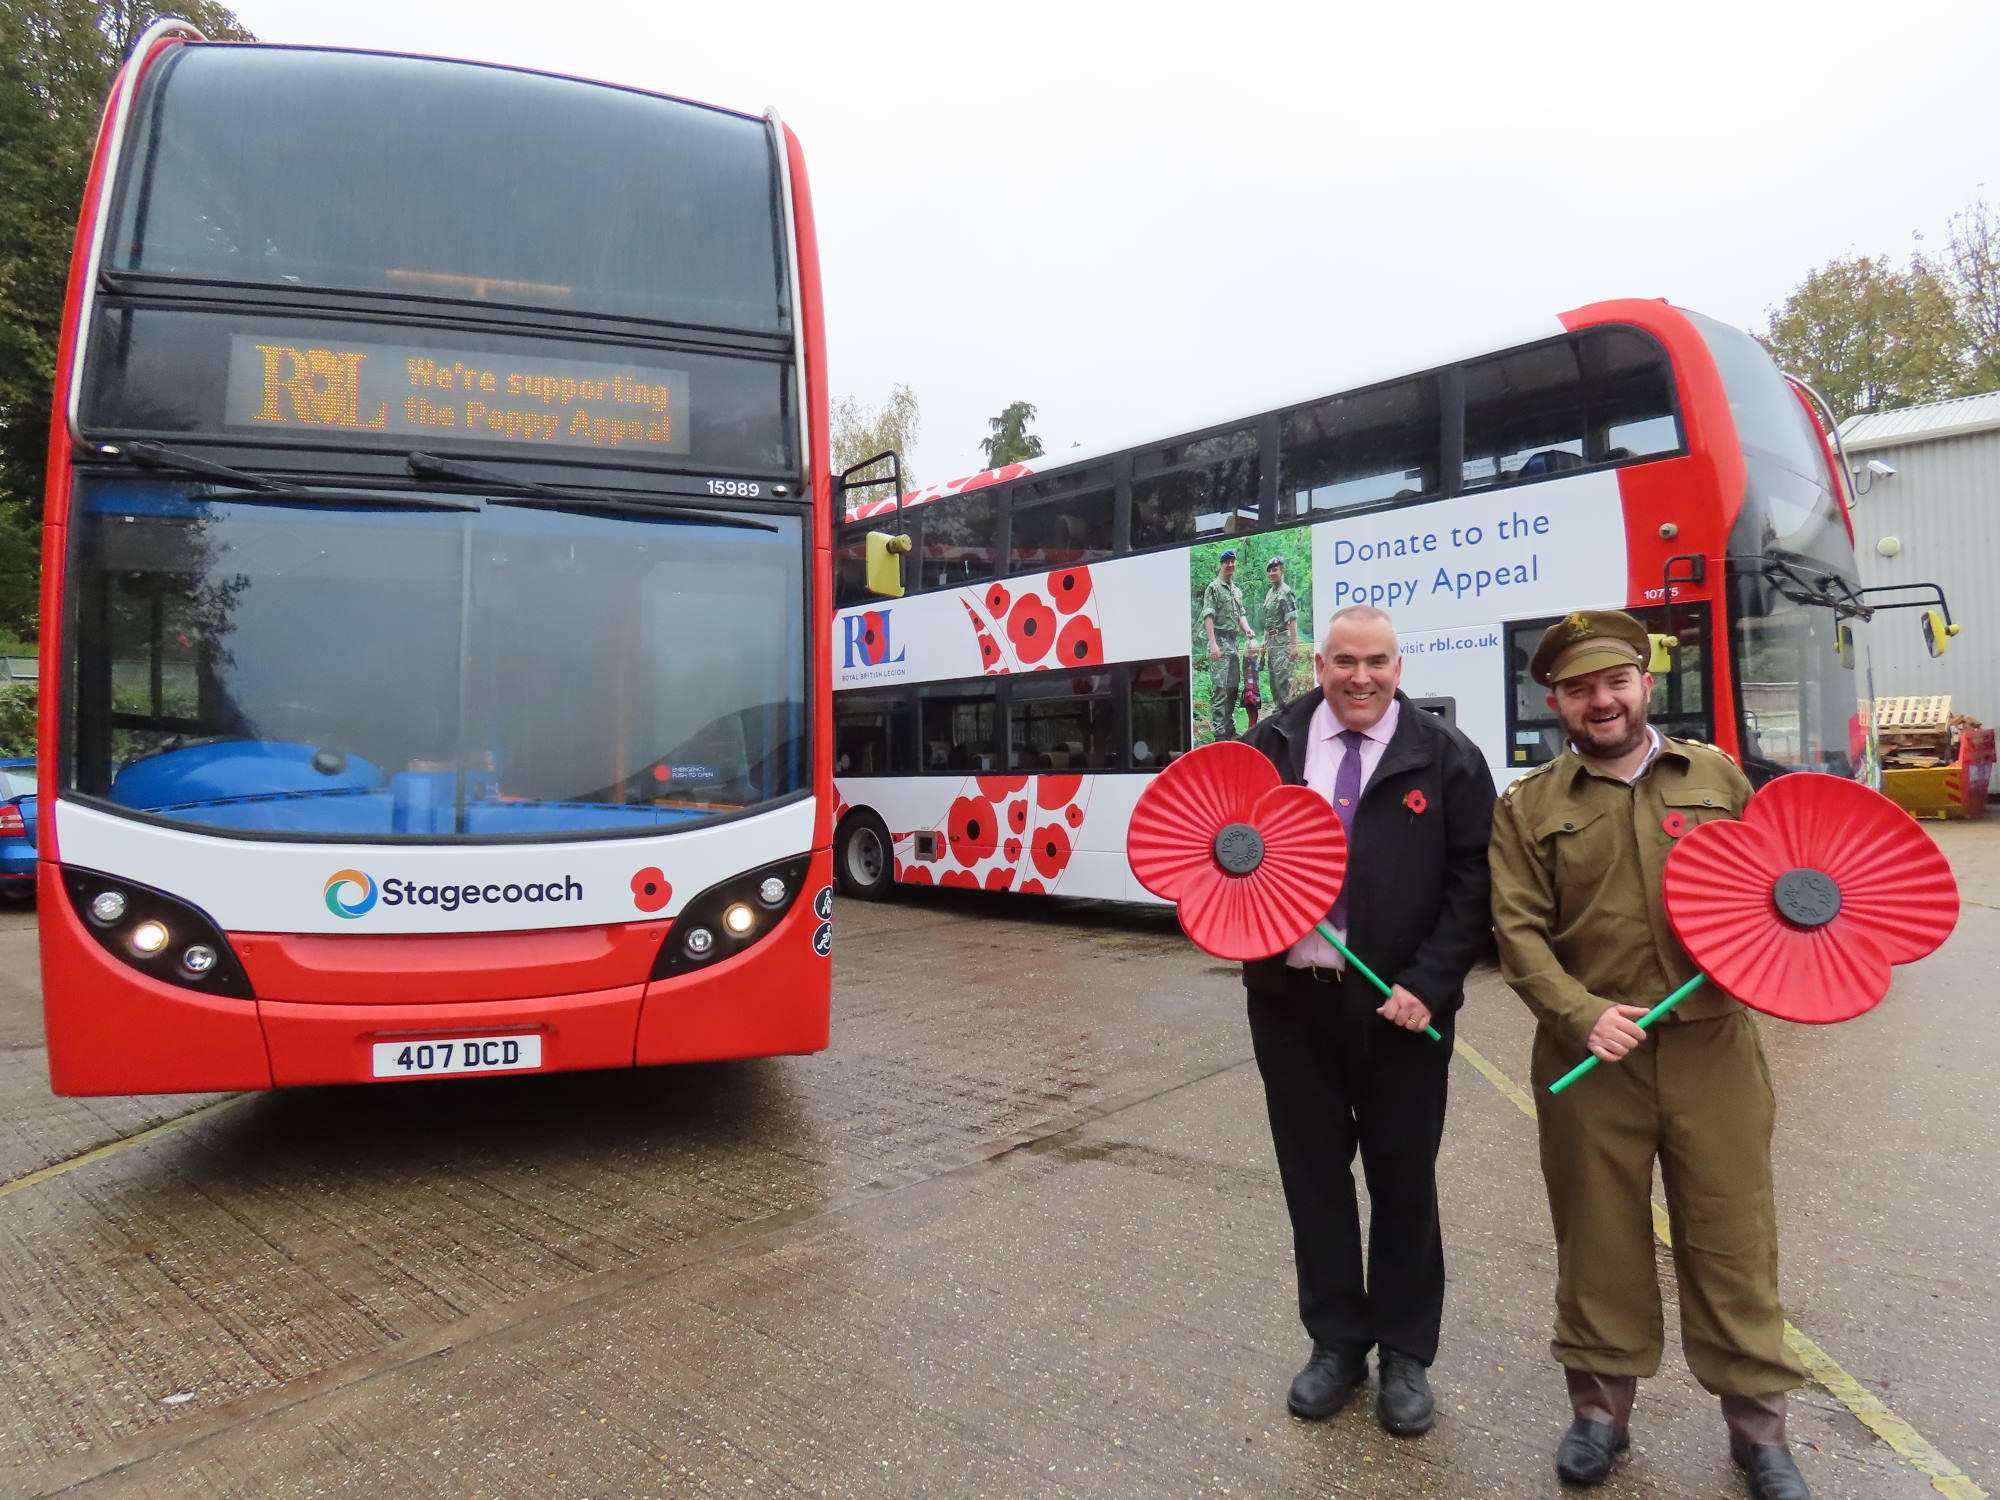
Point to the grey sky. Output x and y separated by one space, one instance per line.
1141 217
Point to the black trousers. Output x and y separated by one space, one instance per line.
1335 1083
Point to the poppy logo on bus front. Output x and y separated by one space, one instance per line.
345 902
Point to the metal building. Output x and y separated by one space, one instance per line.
1927 510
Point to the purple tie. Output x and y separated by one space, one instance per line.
1346 793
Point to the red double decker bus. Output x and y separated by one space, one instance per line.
435 581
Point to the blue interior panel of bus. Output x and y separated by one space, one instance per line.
270 787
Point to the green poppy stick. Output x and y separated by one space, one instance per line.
1371 976
1644 1021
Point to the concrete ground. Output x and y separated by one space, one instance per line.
1018 1233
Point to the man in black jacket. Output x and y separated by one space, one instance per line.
1344 1068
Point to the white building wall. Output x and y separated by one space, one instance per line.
1943 505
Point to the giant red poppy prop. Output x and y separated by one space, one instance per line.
1250 863
1800 908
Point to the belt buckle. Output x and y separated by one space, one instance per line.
1326 976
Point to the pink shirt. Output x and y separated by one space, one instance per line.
1323 754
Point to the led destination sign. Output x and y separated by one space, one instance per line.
429 392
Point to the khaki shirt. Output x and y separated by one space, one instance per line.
1281 607
1577 858
1224 602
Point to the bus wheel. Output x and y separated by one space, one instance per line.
863 860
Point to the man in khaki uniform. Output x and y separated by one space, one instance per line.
1227 622
1281 632
1577 854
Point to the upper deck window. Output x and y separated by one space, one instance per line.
1185 491
358 172
1359 449
1604 396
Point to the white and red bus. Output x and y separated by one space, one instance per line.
436 581
994 727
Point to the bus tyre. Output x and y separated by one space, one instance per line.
864 861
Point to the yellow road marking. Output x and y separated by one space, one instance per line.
1945 1476
124 1143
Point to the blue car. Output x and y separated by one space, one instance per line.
17 828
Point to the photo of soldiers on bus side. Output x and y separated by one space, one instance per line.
1250 602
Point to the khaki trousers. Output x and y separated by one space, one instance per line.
1696 1096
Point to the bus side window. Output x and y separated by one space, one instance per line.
961 539
1602 396
959 725
872 733
1063 721
1189 490
1061 522
1357 450
1159 712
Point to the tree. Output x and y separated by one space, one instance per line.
1870 335
861 433
57 59
1011 441
1971 269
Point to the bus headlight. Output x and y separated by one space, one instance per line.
161 936
731 917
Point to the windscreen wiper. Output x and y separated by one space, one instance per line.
155 456
526 492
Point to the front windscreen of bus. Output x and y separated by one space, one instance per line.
367 671
1799 701
293 167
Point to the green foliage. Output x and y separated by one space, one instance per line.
1253 556
57 60
1869 334
1011 442
858 432
17 720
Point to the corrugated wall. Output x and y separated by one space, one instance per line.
1943 504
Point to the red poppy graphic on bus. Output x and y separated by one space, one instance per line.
973 830
650 891
1053 791
1081 644
1017 816
1051 849
1031 628
1069 588
997 600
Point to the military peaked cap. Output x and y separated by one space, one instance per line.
1589 641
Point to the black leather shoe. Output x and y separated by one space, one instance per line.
1770 1470
1403 1401
1329 1378
1588 1450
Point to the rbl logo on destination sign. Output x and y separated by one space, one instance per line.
865 640
352 894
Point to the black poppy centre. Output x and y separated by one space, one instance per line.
1806 897
1239 848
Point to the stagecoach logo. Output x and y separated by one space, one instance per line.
351 893
338 899
865 642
